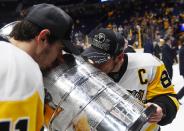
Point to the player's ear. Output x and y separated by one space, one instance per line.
120 56
43 36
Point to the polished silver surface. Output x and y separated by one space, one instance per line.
86 94
6 30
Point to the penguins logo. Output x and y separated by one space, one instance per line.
100 38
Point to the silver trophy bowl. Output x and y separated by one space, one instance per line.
83 98
6 30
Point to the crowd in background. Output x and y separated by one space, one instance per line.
156 31
151 25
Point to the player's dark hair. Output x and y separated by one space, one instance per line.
26 31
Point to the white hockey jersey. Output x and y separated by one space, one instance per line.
145 77
21 91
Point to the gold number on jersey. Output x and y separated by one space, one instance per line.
141 73
20 125
165 80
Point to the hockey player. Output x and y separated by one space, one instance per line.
142 74
34 44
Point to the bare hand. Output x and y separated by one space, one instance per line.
157 116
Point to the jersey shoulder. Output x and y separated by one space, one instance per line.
142 60
20 74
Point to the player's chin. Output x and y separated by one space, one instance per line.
46 67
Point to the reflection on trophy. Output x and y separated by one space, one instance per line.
5 31
86 99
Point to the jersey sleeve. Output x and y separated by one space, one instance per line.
161 83
161 91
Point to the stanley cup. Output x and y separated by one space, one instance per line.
82 98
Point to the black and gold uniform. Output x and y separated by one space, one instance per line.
145 77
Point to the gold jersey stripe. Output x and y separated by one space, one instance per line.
30 108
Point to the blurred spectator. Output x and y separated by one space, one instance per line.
167 56
175 50
157 50
120 29
180 94
148 45
130 48
121 40
181 58
156 44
